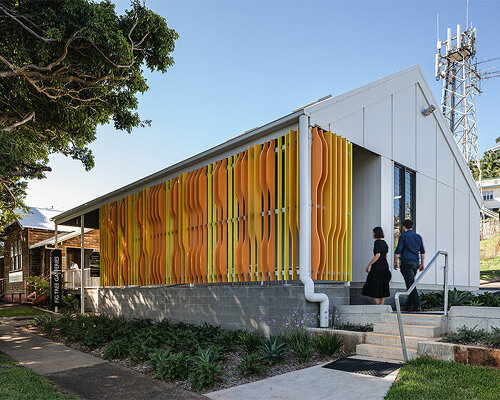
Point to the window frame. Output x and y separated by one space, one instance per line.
16 255
487 195
402 194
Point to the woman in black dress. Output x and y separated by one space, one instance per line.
379 276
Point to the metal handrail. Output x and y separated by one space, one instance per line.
419 278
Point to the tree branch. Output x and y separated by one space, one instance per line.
17 124
7 12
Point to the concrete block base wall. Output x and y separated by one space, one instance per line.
256 307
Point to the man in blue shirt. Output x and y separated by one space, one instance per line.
411 250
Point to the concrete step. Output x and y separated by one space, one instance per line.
385 352
382 339
414 319
410 330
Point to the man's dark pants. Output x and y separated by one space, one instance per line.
409 269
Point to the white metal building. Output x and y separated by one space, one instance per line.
404 164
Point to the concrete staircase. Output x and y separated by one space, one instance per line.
384 342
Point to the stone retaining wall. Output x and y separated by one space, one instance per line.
473 317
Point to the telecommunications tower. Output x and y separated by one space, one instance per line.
455 65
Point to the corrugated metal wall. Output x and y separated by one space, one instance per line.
235 220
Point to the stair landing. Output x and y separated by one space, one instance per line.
385 342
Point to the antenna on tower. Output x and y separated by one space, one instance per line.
456 66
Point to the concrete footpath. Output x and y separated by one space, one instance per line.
80 373
315 383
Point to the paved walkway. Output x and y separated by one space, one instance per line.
80 373
315 383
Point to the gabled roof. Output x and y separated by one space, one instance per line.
415 69
264 130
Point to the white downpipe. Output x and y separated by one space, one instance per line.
305 209
82 263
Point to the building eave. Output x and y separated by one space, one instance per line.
181 166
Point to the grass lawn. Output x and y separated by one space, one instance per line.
490 268
20 383
428 379
19 311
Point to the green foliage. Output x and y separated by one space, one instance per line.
327 344
205 374
466 335
117 349
346 326
488 299
459 298
20 383
72 66
495 337
41 284
428 379
208 356
46 322
273 348
490 165
473 336
175 366
250 341
158 357
253 364
300 343
71 302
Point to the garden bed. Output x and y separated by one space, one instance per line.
202 358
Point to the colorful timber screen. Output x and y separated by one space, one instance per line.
235 220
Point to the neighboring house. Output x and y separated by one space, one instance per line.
27 246
216 237
491 193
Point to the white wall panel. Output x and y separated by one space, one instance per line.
404 127
377 127
426 138
350 127
460 274
445 160
366 190
425 219
444 226
474 242
460 182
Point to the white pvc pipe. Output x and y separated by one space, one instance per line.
56 308
305 209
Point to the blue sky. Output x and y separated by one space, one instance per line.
240 64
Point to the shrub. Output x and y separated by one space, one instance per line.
141 351
252 364
459 298
250 341
273 348
466 335
327 344
117 349
46 322
205 375
495 337
71 302
158 357
64 323
488 299
346 326
300 343
208 356
175 366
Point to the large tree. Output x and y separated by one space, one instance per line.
490 164
67 66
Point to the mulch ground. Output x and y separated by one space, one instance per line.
232 377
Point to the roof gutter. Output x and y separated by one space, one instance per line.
174 170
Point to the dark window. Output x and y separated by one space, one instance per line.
404 197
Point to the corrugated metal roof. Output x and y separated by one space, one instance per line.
40 218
